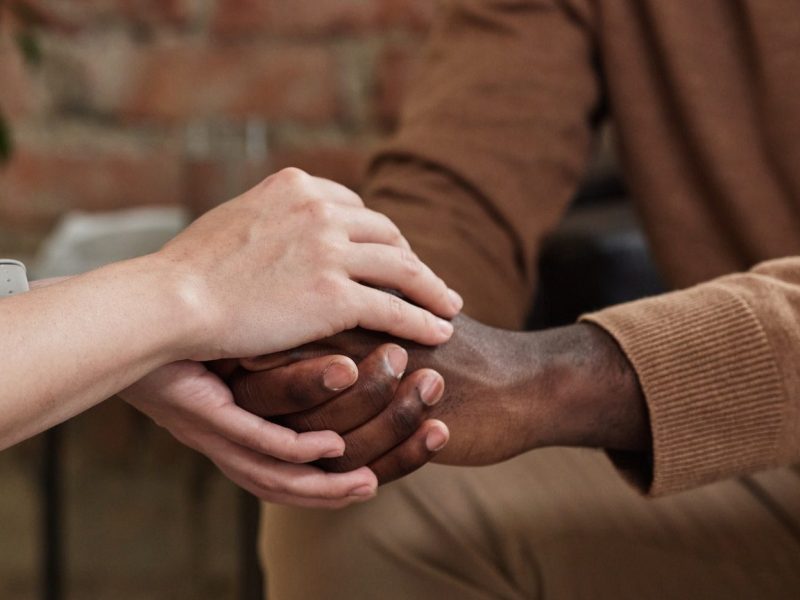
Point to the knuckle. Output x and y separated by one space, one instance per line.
391 228
323 214
328 493
292 451
411 264
427 320
397 235
252 439
275 485
332 251
378 392
330 286
404 417
291 487
291 175
396 309
258 478
341 307
397 238
298 394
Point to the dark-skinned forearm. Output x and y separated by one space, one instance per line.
580 389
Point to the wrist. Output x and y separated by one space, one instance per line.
582 391
180 297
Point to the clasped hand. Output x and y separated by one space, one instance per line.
391 422
507 393
293 260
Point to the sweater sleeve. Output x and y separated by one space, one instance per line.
719 364
492 144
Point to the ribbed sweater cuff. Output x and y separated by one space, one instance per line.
710 381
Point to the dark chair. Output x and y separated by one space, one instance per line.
598 257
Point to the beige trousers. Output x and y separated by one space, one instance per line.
555 524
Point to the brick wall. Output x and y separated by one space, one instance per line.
173 102
189 101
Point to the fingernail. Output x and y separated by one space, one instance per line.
397 359
436 440
334 453
431 390
446 327
338 376
456 299
363 491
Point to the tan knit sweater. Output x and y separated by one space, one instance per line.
705 95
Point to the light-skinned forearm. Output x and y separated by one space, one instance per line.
294 259
67 345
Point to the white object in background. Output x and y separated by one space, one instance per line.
85 241
13 277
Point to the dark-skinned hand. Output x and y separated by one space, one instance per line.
383 416
507 392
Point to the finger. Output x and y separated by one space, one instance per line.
378 377
380 311
264 475
317 503
250 431
293 388
335 192
415 396
368 226
412 454
252 481
400 269
275 360
355 343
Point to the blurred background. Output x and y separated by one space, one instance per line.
163 108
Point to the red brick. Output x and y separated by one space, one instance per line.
210 182
177 82
395 73
20 94
152 13
408 14
237 17
294 16
315 17
155 12
36 188
344 164
97 72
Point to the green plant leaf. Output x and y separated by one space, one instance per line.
29 46
6 143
